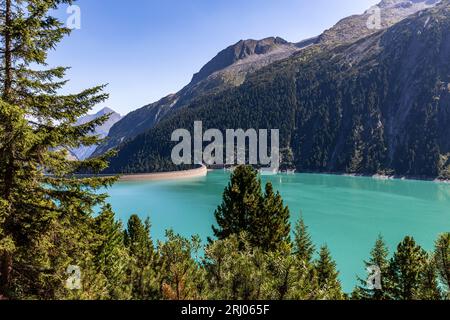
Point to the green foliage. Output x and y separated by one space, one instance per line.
406 270
246 209
240 205
442 260
111 255
379 257
45 208
303 245
137 238
289 278
327 275
429 283
272 228
142 275
236 270
411 274
181 276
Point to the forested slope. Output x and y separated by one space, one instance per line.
379 105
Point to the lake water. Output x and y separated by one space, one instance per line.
347 213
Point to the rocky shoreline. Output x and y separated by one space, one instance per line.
395 177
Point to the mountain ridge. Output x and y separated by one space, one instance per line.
380 105
228 69
218 76
233 65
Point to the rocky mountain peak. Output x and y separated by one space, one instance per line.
240 51
390 12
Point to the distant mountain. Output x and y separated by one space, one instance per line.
390 12
380 104
231 67
103 130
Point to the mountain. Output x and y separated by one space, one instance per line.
377 105
386 14
234 64
227 70
102 131
244 52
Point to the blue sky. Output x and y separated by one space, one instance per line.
146 49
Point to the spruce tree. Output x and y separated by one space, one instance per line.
142 274
240 205
303 246
245 208
406 270
327 275
271 227
429 283
42 199
111 255
137 238
379 258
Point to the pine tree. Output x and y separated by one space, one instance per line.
281 275
245 208
327 275
406 270
303 245
44 199
236 270
137 238
143 276
243 272
111 256
379 259
181 276
271 228
240 206
429 288
442 260
307 286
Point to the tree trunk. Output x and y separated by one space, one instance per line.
5 279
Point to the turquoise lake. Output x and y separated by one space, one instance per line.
346 213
